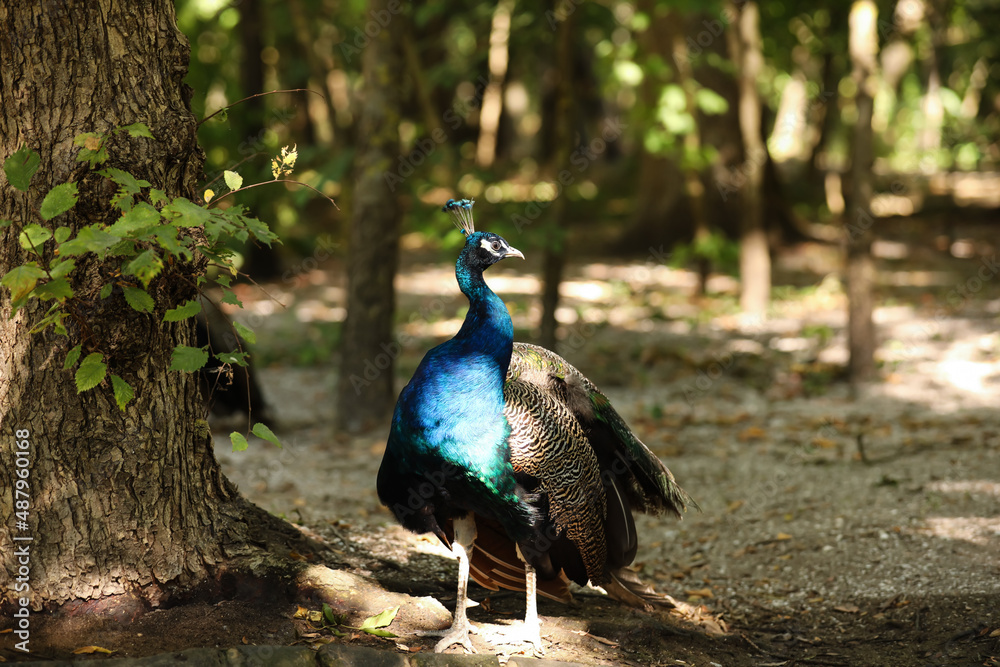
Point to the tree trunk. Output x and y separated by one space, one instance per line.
126 509
366 392
863 50
693 185
489 113
554 261
755 258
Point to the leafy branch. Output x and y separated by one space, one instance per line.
151 236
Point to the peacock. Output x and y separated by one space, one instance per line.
515 460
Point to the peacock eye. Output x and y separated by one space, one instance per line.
496 245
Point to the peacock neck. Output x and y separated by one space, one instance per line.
487 325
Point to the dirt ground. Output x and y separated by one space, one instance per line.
834 529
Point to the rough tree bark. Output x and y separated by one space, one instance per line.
755 258
127 510
863 48
366 392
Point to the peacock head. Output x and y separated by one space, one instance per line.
482 249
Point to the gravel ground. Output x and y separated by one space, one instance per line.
855 530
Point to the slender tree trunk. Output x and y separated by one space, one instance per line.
489 113
863 50
755 258
554 261
693 186
125 509
366 392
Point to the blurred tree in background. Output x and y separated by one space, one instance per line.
638 128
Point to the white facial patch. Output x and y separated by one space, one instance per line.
488 244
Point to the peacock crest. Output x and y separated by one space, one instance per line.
461 214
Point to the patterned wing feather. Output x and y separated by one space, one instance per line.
547 444
650 485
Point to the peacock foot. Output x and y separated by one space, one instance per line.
521 634
458 633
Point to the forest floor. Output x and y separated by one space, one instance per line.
834 530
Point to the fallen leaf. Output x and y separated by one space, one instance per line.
783 536
751 433
733 506
825 443
92 649
699 592
995 633
847 608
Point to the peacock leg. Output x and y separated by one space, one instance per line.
532 626
458 633
529 632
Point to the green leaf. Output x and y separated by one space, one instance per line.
189 308
5 223
228 296
59 200
21 280
157 196
329 615
138 130
71 357
185 213
129 183
260 230
53 318
377 632
247 334
89 239
106 290
239 442
123 391
142 216
263 432
237 358
233 180
146 266
54 289
224 279
62 233
33 236
21 166
380 620
60 268
91 372
139 299
94 151
166 236
188 359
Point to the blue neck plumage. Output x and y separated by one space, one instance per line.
487 325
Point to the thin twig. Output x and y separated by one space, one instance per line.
270 92
233 167
277 180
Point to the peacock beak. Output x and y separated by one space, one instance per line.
513 252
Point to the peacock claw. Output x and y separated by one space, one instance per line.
451 636
521 634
